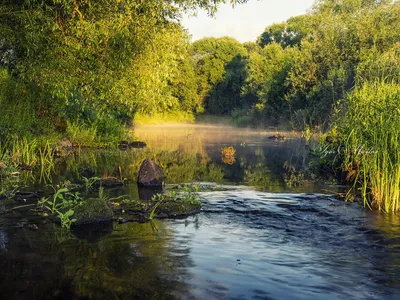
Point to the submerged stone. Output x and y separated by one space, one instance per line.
92 211
277 137
125 145
150 174
109 182
177 209
138 145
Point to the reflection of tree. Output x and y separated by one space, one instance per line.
136 261
133 262
228 155
178 166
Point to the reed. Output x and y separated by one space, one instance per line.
371 144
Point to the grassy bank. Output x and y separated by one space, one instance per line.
370 144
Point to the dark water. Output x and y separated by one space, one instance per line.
265 232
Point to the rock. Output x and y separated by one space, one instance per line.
125 145
25 195
33 227
109 182
150 174
277 137
92 210
177 209
138 145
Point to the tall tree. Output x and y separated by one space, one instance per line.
82 45
213 59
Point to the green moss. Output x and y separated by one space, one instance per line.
93 210
177 208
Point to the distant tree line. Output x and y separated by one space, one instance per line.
298 70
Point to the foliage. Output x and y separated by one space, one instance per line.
63 203
158 198
218 63
370 144
173 117
299 69
93 64
267 75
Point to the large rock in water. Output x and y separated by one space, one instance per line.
150 174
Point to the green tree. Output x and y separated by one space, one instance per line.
80 51
214 66
267 75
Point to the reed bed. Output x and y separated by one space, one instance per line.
371 147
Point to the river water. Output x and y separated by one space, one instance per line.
265 230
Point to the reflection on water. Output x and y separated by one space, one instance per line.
256 237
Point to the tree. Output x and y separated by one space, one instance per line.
211 58
79 51
267 70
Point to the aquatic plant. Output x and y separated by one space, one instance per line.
190 195
158 198
62 203
89 182
370 145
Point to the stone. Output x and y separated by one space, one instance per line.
150 174
92 210
125 145
277 137
138 145
109 182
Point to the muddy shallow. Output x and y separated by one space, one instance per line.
258 236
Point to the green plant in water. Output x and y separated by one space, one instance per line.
89 182
370 145
191 195
158 198
62 203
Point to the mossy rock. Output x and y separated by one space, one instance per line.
177 209
92 211
139 211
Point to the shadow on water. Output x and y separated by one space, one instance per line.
264 231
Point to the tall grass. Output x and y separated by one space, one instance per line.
371 146
24 153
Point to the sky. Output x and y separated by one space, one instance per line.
246 21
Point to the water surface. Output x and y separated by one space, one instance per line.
265 231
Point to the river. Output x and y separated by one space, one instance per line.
266 230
